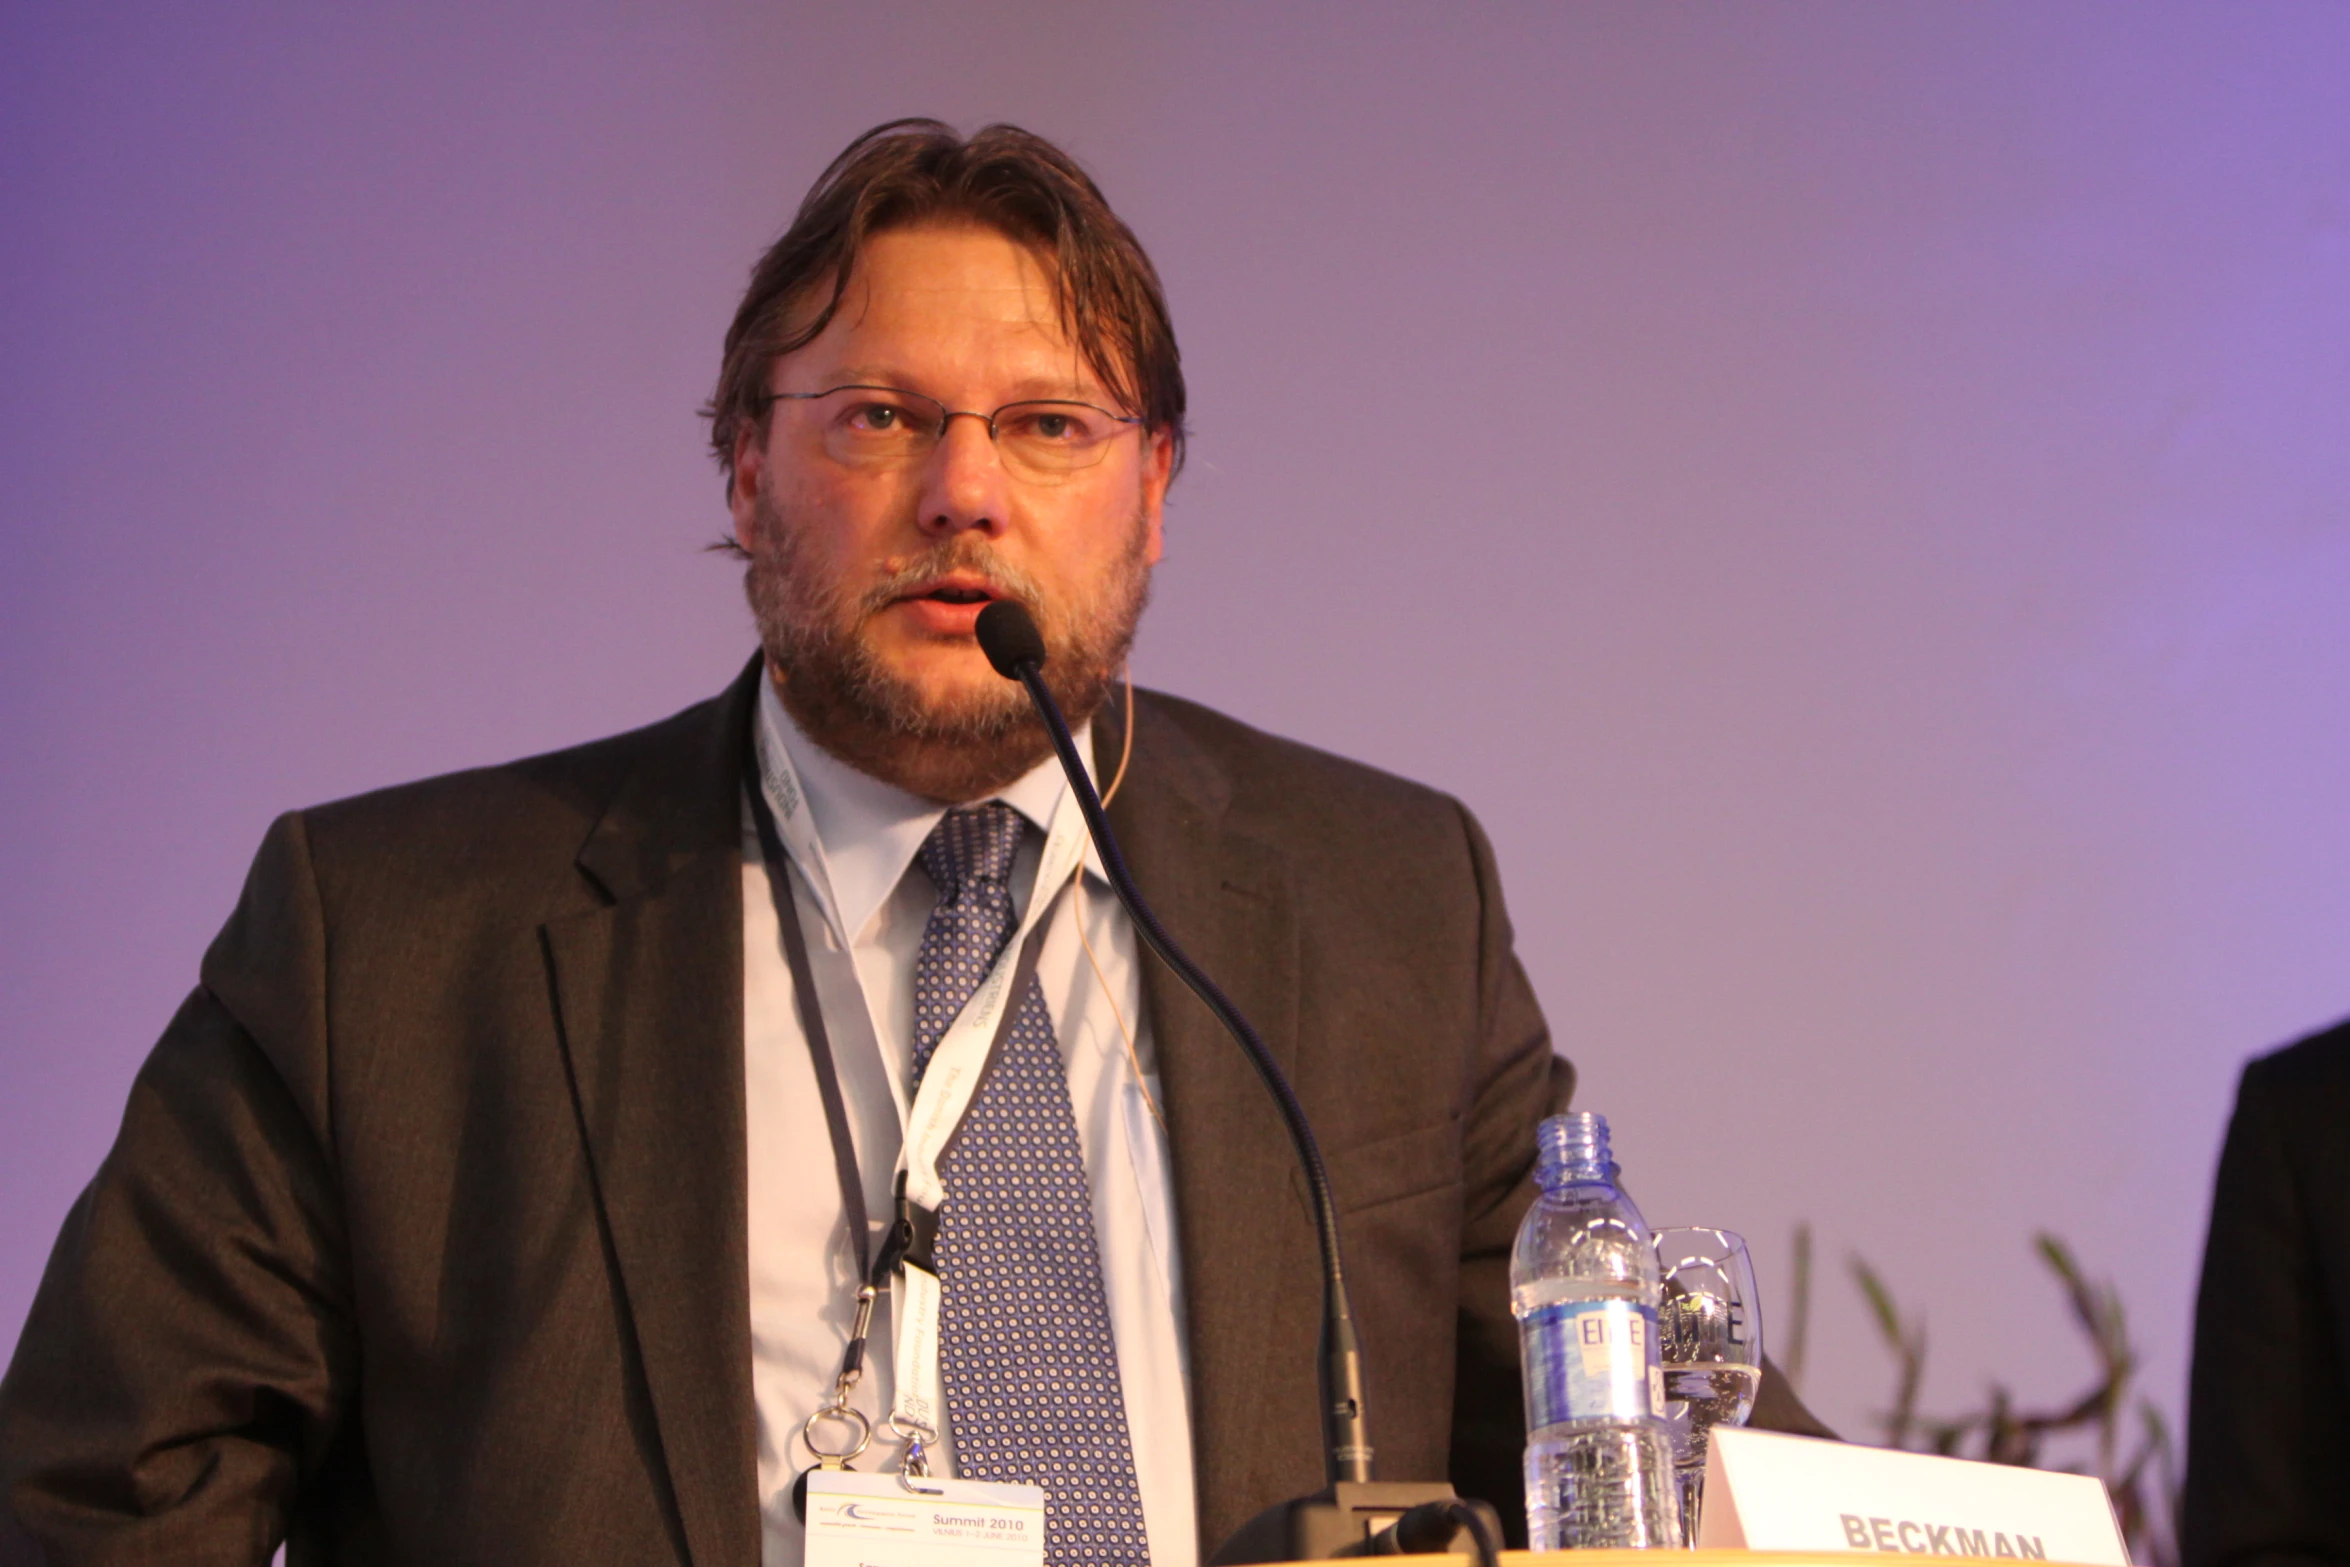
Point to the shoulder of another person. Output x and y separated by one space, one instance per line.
2306 1087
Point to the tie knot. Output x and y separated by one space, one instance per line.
972 844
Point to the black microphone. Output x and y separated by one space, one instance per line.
1353 1508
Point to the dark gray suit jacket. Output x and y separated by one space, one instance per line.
2268 1419
424 1236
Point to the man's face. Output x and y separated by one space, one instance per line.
866 580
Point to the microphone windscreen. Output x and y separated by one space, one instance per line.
1009 638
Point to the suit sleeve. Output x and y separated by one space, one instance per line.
189 1355
2268 1458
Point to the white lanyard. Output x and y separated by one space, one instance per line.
950 1080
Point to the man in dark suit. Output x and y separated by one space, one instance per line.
427 1232
2268 1449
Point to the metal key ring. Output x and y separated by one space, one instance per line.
846 1415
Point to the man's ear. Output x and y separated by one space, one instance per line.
1158 472
750 477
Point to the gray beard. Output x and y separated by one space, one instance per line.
850 703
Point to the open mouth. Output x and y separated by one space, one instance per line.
952 590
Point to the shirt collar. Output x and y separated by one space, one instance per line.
870 831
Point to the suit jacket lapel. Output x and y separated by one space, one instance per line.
649 996
1251 1291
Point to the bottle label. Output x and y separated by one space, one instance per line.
1591 1360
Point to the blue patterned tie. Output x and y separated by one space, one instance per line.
1025 1350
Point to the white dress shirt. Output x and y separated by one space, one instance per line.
862 953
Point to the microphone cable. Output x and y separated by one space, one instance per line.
1014 646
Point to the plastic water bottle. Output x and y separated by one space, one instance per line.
1584 1288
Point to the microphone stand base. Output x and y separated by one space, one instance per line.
1322 1526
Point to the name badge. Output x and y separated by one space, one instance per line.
870 1520
1768 1492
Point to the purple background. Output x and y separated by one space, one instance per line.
1853 495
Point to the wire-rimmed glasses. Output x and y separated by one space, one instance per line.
1709 1332
886 428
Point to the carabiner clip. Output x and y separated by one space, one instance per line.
916 1464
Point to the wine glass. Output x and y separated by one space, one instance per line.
1709 1332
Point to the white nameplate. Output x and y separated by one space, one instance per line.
870 1520
1767 1492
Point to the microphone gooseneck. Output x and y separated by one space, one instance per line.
1013 645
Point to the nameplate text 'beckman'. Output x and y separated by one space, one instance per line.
1767 1492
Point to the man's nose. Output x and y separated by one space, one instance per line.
965 487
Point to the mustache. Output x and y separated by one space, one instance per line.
1000 577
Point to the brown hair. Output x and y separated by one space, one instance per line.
913 171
